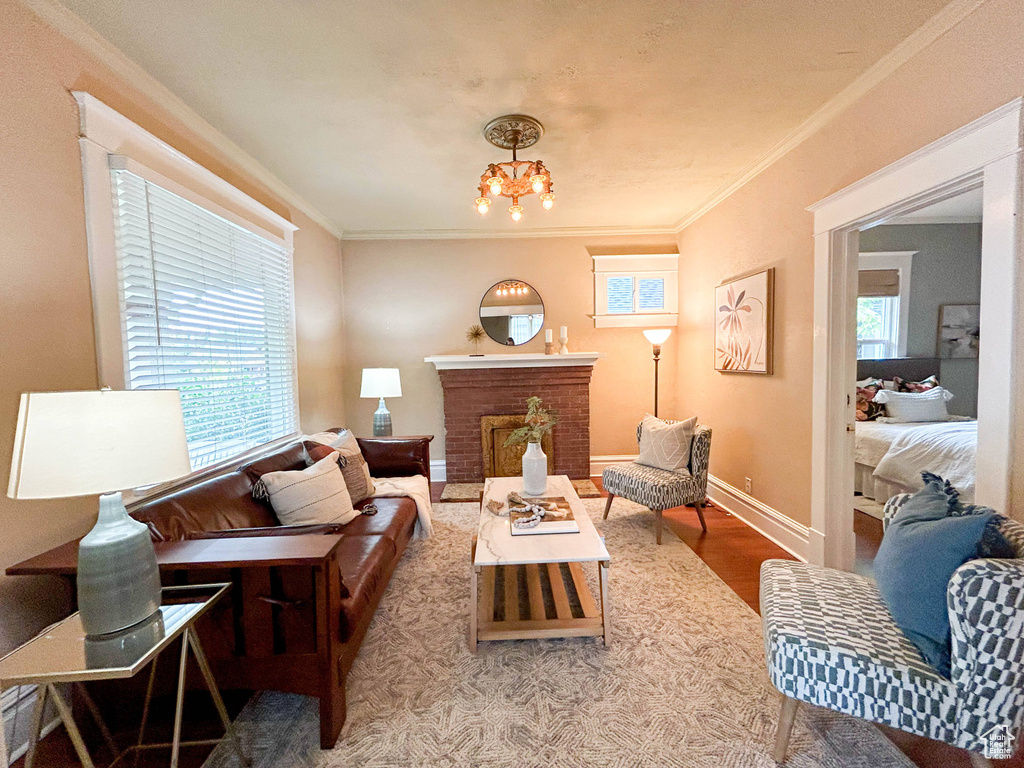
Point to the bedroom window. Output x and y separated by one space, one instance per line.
877 327
883 304
635 290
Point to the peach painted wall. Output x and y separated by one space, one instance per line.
407 299
762 425
46 328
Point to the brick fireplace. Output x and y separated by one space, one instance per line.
498 385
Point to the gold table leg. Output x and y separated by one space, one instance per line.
218 702
64 711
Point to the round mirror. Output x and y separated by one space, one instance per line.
512 312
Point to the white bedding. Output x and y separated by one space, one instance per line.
900 452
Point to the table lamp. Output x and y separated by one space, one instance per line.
381 382
657 337
109 441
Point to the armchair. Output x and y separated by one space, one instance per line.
830 641
660 489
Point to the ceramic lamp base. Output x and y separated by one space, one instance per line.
118 578
382 421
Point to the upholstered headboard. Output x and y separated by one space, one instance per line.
910 368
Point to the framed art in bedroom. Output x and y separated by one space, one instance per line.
744 310
959 330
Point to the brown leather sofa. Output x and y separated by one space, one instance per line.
292 623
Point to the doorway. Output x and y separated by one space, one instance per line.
986 154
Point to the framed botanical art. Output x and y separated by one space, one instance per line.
959 330
743 323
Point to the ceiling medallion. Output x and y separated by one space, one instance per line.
519 177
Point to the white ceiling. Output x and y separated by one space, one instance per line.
962 209
373 111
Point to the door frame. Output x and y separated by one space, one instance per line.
986 153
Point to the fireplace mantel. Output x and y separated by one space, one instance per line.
535 360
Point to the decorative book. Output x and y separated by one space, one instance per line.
551 514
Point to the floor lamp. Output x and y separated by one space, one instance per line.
657 337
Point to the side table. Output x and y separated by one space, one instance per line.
63 653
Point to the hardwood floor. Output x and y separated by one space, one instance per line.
730 548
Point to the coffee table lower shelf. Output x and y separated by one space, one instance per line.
537 601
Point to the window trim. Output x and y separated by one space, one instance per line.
902 262
109 139
636 266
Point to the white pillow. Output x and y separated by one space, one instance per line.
915 406
316 494
666 446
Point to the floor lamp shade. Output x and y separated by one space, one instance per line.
120 440
381 383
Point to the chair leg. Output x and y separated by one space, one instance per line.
980 761
657 525
608 505
700 515
786 719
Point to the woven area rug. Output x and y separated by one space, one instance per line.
459 492
683 683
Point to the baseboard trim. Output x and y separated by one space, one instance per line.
770 523
16 705
599 463
438 471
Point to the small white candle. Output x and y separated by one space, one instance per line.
563 332
548 335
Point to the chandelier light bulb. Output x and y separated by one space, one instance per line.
516 212
526 289
495 186
537 181
548 200
483 205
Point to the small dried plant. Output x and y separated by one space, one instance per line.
538 423
475 335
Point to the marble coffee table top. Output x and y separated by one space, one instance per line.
497 546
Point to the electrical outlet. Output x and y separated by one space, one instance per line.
746 485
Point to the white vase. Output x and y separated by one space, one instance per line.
535 470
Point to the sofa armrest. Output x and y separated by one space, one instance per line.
270 530
397 456
986 615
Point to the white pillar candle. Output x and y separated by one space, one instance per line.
548 335
563 332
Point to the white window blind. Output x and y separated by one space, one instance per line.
206 308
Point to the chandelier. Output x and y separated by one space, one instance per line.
511 288
519 177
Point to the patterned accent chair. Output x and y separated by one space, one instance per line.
830 641
659 489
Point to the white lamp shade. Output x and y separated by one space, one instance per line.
81 443
658 335
381 382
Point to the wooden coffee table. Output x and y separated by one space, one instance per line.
546 569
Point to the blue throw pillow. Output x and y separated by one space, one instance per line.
931 536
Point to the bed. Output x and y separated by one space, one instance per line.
889 458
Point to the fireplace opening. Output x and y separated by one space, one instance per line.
500 461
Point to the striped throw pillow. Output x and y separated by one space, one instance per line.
316 494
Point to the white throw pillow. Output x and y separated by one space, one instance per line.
915 406
316 494
666 446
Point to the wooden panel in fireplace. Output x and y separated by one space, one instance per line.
500 461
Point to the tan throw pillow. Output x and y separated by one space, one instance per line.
316 494
353 465
666 446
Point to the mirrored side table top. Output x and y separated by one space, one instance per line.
63 653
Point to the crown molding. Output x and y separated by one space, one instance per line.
919 39
79 32
497 234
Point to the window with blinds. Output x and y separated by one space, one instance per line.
206 308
